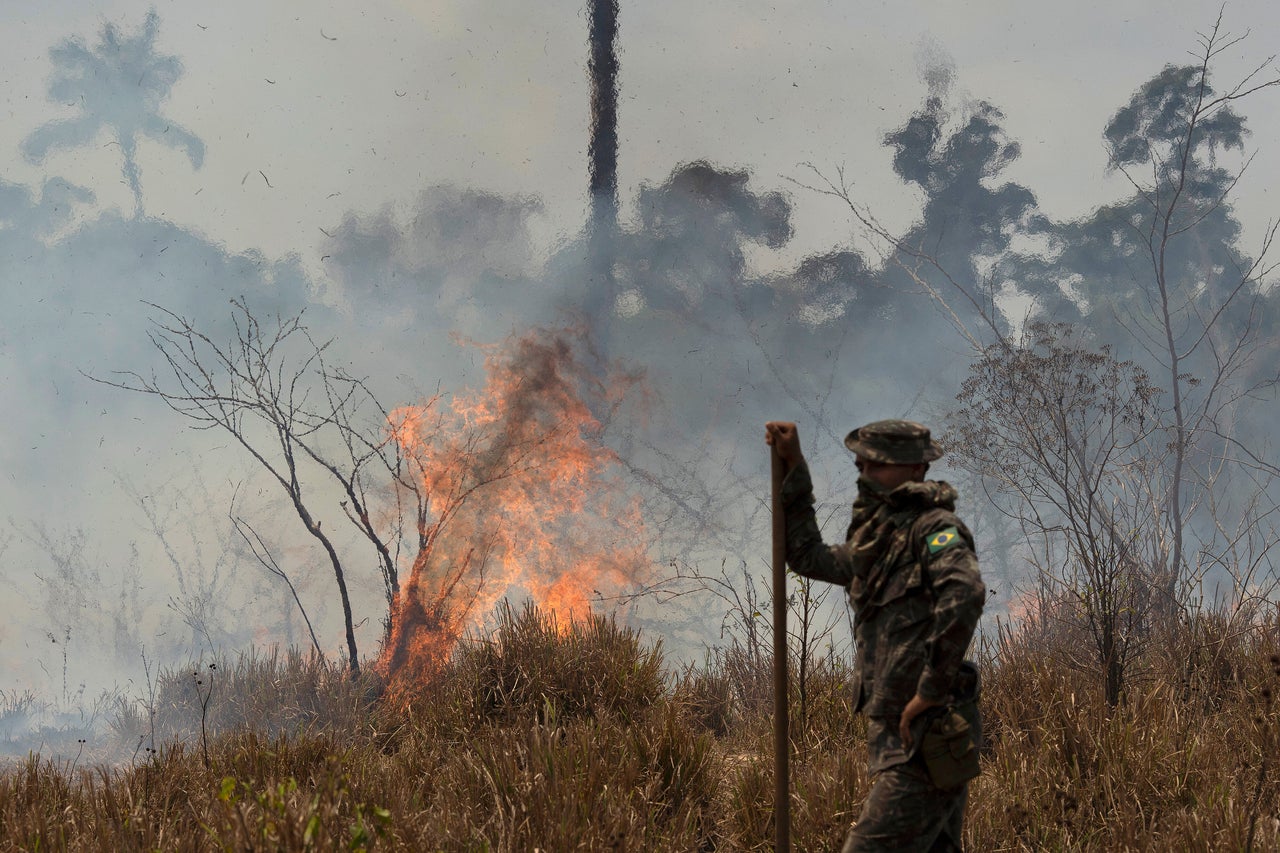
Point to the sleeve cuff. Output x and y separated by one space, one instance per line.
797 485
933 686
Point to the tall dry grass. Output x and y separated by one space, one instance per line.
543 736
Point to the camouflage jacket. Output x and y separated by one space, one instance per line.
916 606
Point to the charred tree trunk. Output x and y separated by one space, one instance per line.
313 527
602 153
1112 662
603 148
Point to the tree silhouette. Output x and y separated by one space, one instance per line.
118 85
1162 274
21 213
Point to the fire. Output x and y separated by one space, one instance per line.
1025 607
518 494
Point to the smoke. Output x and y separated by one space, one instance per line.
460 260
402 285
118 511
937 67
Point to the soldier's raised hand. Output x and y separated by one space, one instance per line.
784 437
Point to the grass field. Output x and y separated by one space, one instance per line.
582 739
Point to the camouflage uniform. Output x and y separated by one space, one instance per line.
912 575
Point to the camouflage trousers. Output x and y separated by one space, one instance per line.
906 812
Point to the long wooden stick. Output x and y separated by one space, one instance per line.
782 779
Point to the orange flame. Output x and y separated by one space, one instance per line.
518 493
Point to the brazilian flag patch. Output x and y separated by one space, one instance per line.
943 539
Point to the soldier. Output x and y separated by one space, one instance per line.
912 575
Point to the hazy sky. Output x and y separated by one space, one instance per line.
348 106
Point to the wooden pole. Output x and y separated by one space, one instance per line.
781 744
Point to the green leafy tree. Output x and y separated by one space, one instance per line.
118 86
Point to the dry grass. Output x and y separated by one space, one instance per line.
572 738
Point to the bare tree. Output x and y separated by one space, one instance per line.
1198 314
204 567
433 490
268 388
262 552
1063 433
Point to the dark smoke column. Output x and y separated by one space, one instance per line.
602 153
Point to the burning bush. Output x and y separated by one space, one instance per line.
519 495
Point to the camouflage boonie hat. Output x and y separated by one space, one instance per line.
894 441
